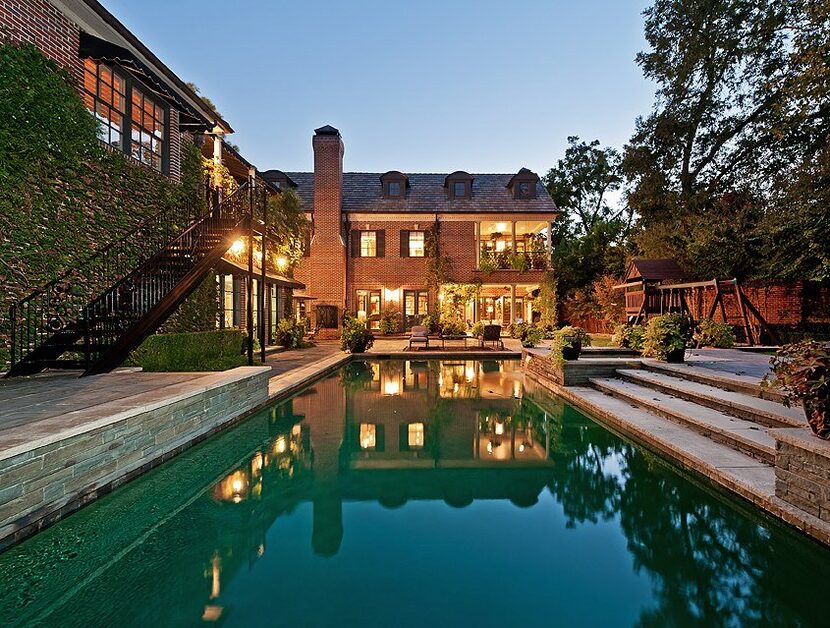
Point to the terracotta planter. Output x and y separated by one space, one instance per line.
572 352
676 356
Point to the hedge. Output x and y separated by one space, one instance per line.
216 350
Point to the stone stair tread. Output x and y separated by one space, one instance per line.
742 432
766 407
694 449
722 379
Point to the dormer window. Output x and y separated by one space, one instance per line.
459 185
523 184
394 184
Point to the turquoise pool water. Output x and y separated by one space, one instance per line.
416 493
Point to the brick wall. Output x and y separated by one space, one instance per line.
38 22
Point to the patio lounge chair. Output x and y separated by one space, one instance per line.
492 333
420 335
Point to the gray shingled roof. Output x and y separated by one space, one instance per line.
362 193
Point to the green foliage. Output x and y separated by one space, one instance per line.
729 172
629 336
438 265
802 369
664 335
63 195
290 333
477 330
455 297
487 264
288 227
519 261
355 337
198 312
712 334
533 336
547 302
215 350
571 334
390 320
453 327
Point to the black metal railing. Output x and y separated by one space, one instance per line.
102 297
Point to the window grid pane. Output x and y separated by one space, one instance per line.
368 244
103 95
416 244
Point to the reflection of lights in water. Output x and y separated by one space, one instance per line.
517 388
368 435
281 445
489 447
499 428
470 373
391 387
522 448
296 430
415 436
455 387
256 463
260 550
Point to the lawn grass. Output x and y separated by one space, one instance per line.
601 340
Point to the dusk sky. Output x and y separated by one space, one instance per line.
481 86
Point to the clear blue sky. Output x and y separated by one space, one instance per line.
417 86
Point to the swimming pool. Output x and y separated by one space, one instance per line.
403 493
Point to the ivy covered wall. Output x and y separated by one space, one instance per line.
62 193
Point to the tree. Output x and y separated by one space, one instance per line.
589 239
740 120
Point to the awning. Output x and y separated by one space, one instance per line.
280 280
92 47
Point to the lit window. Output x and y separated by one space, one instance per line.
416 244
147 131
368 436
105 97
394 188
460 189
368 244
415 435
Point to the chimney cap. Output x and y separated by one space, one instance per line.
327 130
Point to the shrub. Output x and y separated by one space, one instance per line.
453 328
487 264
802 370
356 337
712 334
216 350
629 336
390 321
290 333
665 335
519 261
533 336
478 329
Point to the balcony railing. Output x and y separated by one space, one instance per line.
507 260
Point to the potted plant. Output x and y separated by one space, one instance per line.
802 370
665 337
356 337
533 336
571 340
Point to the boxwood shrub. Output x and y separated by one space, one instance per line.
216 350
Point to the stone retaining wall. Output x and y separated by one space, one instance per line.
573 372
802 471
41 485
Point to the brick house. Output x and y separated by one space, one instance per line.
147 113
372 231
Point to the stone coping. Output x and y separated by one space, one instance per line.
803 438
124 408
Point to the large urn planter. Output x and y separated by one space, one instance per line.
802 370
676 356
571 348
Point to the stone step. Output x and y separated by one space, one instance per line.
745 436
763 411
745 384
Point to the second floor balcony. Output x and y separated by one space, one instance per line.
513 245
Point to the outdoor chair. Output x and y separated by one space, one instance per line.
492 334
419 335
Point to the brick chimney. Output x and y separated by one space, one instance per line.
325 278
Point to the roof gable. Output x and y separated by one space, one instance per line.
656 269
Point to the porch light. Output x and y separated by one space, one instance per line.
390 294
501 227
238 247
281 445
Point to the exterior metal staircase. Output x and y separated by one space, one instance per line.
96 313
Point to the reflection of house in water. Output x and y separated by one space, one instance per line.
389 432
